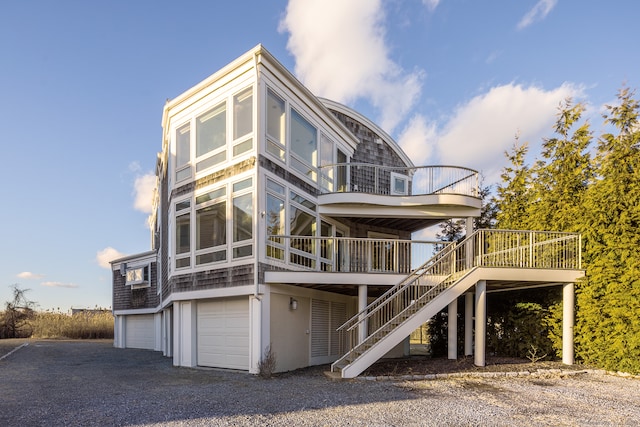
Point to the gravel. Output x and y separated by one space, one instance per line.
90 383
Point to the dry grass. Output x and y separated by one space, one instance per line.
85 325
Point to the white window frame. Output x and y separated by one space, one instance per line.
398 177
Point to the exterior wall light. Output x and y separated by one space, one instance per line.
293 304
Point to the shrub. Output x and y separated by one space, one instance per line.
267 365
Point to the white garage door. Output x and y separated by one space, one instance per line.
139 331
223 333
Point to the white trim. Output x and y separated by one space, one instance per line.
332 278
211 293
136 311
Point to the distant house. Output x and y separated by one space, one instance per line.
285 219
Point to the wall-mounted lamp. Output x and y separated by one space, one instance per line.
293 304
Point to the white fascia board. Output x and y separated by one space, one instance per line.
136 311
233 291
322 278
530 274
400 201
141 258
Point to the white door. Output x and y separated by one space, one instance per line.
139 331
223 333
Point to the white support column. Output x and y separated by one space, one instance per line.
468 324
362 304
481 323
469 226
452 329
568 302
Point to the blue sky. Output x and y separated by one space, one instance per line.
83 85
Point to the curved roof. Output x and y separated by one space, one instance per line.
336 106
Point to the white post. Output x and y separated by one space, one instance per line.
362 304
567 323
481 323
468 324
469 226
452 328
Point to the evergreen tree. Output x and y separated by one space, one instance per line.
608 316
563 175
514 193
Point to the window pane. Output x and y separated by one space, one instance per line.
212 195
242 147
301 223
183 262
211 257
183 231
241 185
274 149
275 216
242 251
274 186
243 217
211 227
183 142
275 117
211 161
183 205
301 200
303 139
211 130
242 113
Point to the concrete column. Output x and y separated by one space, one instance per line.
481 323
452 329
362 304
468 324
567 323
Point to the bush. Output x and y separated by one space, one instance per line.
267 365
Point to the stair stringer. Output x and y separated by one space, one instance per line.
393 338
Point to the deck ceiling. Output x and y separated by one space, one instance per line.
406 224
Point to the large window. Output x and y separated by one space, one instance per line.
183 234
211 227
183 152
211 137
275 218
304 145
275 125
242 219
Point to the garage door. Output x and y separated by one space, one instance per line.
139 332
223 333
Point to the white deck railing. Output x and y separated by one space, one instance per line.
350 255
409 181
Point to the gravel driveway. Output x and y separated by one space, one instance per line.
91 383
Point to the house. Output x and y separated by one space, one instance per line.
286 220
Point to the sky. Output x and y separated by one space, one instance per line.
83 85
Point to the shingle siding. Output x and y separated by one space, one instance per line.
125 298
227 277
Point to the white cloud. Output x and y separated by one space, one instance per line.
135 166
431 4
143 188
29 275
481 130
537 13
59 285
340 52
106 255
417 140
